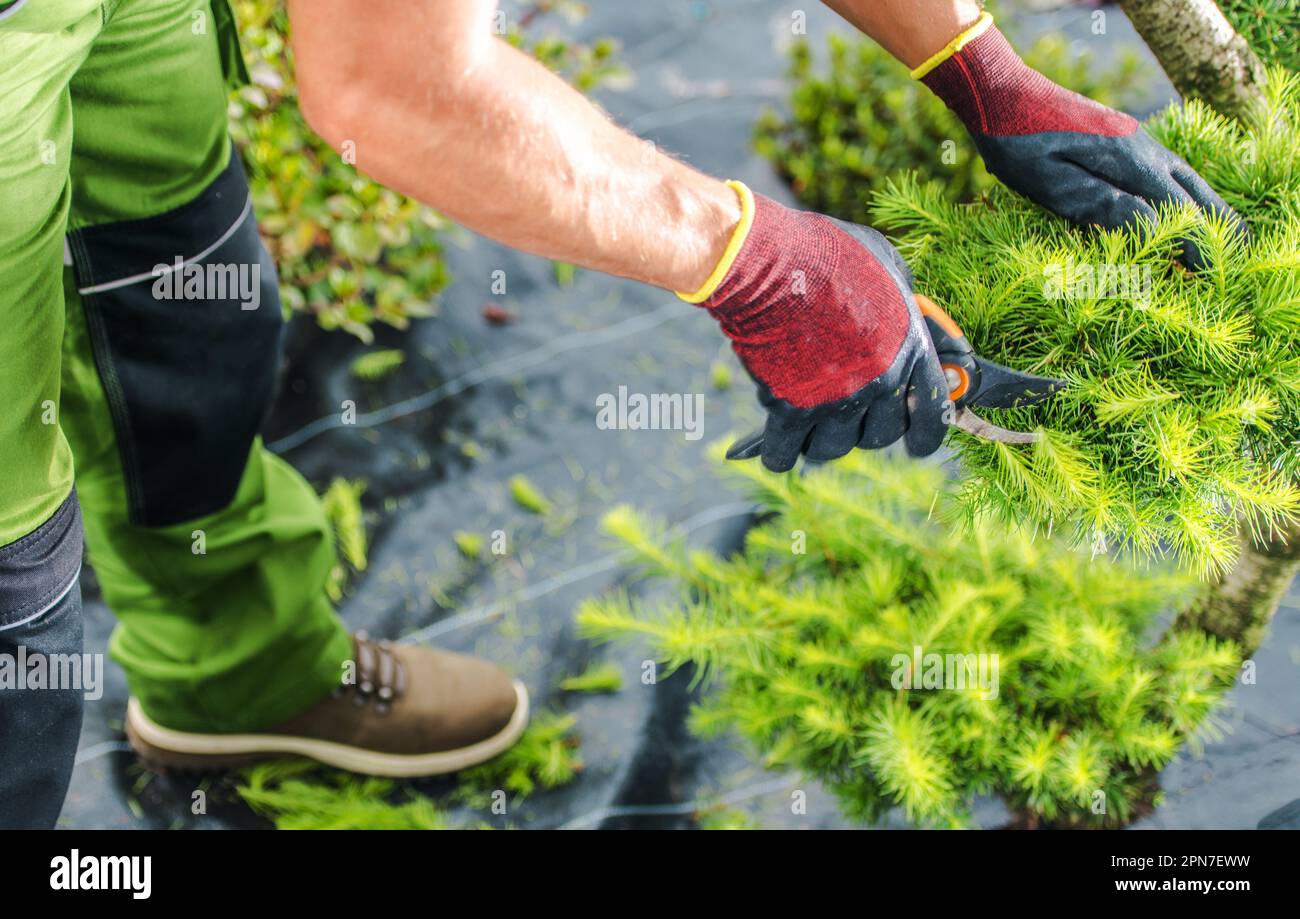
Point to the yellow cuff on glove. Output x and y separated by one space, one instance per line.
961 41
729 254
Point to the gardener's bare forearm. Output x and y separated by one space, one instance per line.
910 30
440 109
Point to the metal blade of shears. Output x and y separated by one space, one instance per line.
1002 387
973 424
747 447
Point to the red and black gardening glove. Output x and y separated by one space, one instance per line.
821 314
1079 159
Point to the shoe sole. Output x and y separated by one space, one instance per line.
165 748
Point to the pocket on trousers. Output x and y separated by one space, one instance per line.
184 316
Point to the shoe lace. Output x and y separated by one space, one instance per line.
380 677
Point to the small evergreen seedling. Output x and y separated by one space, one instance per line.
904 663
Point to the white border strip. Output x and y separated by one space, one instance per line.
124 282
18 5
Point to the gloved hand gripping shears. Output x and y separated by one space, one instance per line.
972 381
976 381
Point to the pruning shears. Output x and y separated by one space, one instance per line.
976 381
972 381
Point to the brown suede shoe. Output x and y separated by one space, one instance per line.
410 712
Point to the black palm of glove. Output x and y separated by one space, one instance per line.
1079 159
822 315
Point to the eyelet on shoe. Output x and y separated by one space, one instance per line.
381 678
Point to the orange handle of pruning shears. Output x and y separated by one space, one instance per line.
956 356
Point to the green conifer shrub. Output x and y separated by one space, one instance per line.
806 641
1271 26
349 251
864 120
1183 410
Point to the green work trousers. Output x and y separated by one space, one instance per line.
140 331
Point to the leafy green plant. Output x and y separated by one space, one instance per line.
1182 412
349 251
865 120
820 645
586 66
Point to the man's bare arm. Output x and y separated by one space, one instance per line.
910 30
442 110
439 108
